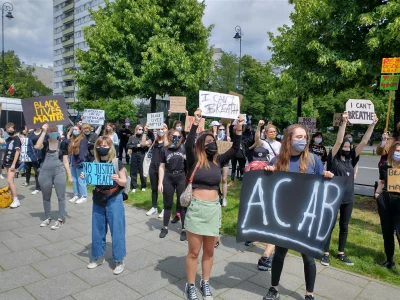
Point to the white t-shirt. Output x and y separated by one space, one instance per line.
273 147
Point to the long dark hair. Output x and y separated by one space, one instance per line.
200 150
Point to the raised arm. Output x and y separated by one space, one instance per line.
225 157
384 146
258 132
145 142
340 135
228 133
366 136
39 143
189 145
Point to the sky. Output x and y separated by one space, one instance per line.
30 33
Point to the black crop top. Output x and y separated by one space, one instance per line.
208 179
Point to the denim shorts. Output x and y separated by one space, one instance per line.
203 217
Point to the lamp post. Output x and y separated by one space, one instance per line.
238 37
8 7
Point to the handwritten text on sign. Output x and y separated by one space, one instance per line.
389 82
24 150
155 120
189 122
223 146
360 111
391 65
93 117
98 173
177 104
270 212
309 123
393 184
219 105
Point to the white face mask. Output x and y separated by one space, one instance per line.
318 140
179 128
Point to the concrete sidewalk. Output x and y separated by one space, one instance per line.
38 263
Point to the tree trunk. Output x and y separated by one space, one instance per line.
396 118
153 103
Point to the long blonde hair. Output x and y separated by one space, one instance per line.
112 154
283 160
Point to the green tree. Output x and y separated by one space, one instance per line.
144 48
26 84
224 74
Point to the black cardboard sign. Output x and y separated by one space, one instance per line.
291 210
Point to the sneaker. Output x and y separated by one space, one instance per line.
191 292
343 258
163 233
16 175
247 244
152 211
224 202
264 263
175 219
73 199
272 294
95 263
308 297
133 190
57 225
161 215
325 260
81 200
183 236
45 223
15 204
24 184
216 245
388 264
143 190
35 192
119 267
205 290
1 176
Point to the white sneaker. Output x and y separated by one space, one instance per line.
1 176
119 267
133 190
81 200
45 223
95 263
143 190
57 225
161 215
24 184
35 192
15 204
73 199
152 211
224 202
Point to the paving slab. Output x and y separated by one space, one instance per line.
18 277
32 241
110 290
60 248
58 265
100 275
21 258
16 294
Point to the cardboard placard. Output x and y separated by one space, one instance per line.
360 111
219 105
236 94
390 65
45 109
393 178
389 82
189 122
177 104
23 156
223 146
155 120
309 123
93 117
225 121
98 173
337 120
271 212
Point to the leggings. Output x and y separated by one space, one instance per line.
28 168
153 174
310 270
345 214
242 164
172 183
389 213
137 166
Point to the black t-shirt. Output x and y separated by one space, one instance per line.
12 144
156 154
345 168
320 151
35 137
109 187
124 135
63 149
383 175
353 156
173 159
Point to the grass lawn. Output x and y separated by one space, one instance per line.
364 244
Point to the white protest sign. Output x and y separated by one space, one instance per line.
360 111
219 105
23 156
93 117
309 123
155 120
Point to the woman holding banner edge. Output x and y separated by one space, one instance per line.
295 157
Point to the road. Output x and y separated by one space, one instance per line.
368 173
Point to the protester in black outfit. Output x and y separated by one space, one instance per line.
172 178
343 163
123 134
317 148
91 138
240 157
389 205
249 141
36 157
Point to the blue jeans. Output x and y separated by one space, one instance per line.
78 183
113 215
21 167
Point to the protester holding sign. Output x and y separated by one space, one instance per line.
78 149
108 209
343 163
317 148
203 217
91 138
383 147
295 157
224 135
52 173
388 200
270 143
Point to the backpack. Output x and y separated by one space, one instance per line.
125 190
5 197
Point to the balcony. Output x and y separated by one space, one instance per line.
68 54
67 77
68 65
68 19
68 31
69 88
67 8
69 100
68 43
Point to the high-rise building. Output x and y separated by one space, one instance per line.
70 17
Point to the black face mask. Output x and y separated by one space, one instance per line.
102 151
10 132
211 149
346 154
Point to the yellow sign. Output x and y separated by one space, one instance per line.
393 180
390 65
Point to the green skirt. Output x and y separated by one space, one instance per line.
203 217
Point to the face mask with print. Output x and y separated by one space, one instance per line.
221 134
318 140
75 132
272 136
102 151
178 128
299 145
211 149
160 133
175 141
396 156
54 135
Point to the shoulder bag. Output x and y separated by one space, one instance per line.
186 196
147 161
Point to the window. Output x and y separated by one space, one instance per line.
58 19
78 34
58 63
58 74
69 105
57 41
58 51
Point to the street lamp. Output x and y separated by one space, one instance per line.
238 37
8 7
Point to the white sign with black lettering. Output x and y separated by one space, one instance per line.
155 120
93 117
219 105
360 111
23 156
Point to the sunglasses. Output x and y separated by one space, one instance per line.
221 129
